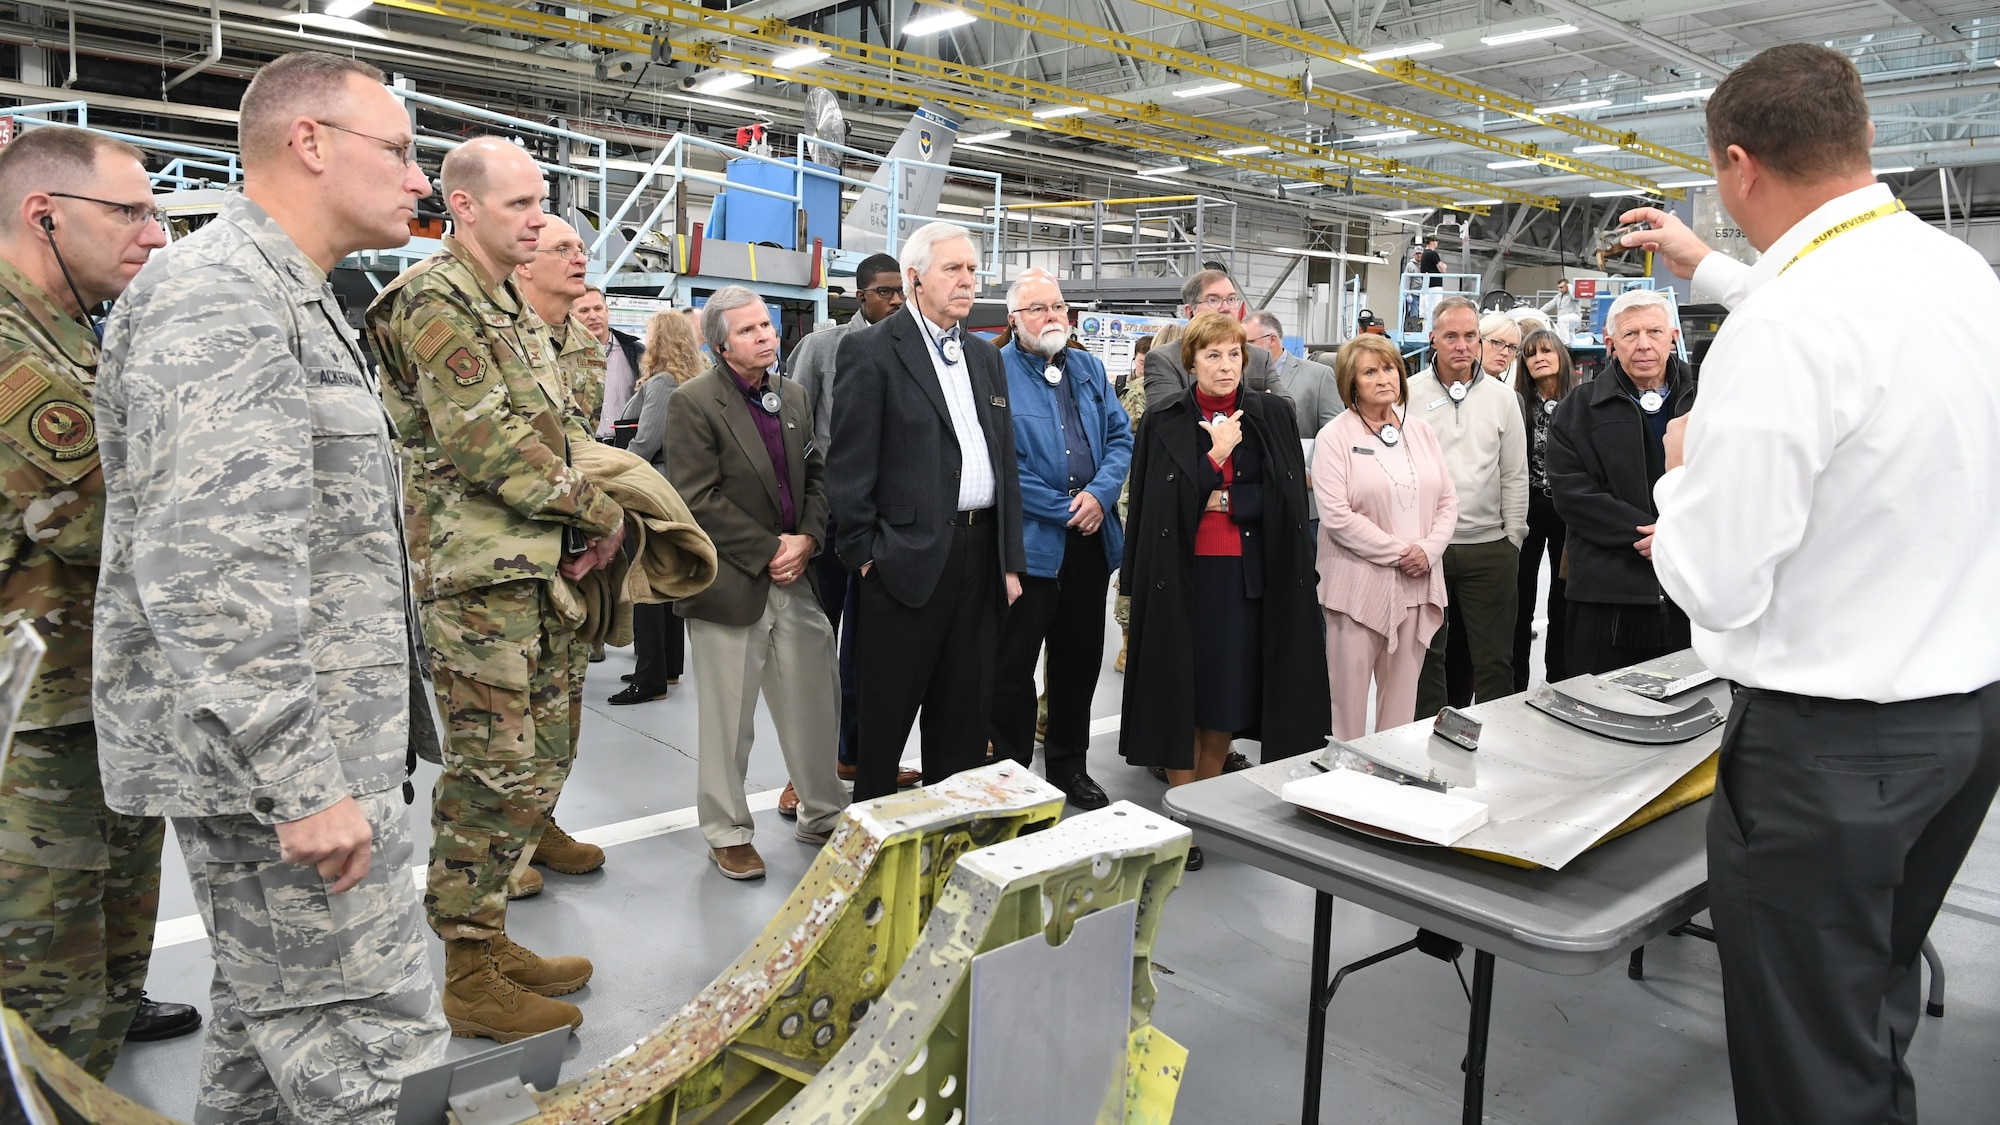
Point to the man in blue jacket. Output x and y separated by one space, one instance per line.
1073 445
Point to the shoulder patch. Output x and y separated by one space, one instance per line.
465 367
22 384
435 335
65 429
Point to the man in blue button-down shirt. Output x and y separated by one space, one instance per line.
1073 445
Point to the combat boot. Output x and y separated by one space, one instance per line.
481 1002
559 851
525 883
543 976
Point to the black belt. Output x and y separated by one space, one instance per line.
975 516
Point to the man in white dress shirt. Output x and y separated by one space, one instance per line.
1831 535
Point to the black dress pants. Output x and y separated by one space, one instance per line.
1837 827
1604 638
937 657
1066 612
659 646
836 597
1546 535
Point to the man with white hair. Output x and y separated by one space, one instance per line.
1073 443
1606 450
926 498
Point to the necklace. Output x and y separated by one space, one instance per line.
1406 491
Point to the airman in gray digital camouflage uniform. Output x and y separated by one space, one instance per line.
254 631
486 422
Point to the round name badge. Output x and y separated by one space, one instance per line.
1549 407
1456 391
1390 434
1053 374
1218 418
770 402
1651 401
950 350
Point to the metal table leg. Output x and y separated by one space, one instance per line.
1475 1036
1316 1006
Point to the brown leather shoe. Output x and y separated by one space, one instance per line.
527 884
481 1002
543 976
559 851
904 777
738 861
788 803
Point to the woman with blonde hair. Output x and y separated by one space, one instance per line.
1387 510
658 640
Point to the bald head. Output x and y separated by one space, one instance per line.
494 191
473 166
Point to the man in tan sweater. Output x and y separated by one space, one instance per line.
1478 425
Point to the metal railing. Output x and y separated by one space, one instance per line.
175 174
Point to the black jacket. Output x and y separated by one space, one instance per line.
632 346
1601 471
1158 572
892 474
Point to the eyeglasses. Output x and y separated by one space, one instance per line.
569 252
1504 347
883 292
135 213
1264 337
1044 308
1212 301
405 153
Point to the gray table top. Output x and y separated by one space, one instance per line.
1575 921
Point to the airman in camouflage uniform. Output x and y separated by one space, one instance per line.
485 421
255 633
79 884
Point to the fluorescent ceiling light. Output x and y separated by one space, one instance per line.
1528 36
1384 135
1688 183
1572 107
1616 194
347 9
1896 169
1244 150
1679 96
1163 170
1335 255
1499 165
939 21
1211 88
1060 111
982 138
717 81
1404 51
1301 185
804 56
1409 211
1586 150
1482 202
712 103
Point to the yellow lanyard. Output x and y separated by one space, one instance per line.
1842 227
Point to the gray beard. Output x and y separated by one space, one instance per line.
1048 345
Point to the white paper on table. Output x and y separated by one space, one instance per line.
1409 810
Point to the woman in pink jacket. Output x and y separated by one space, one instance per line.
1386 510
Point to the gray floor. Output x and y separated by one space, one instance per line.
659 922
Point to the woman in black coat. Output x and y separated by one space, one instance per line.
1230 637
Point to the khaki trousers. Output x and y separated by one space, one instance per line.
787 656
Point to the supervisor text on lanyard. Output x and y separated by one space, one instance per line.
1842 227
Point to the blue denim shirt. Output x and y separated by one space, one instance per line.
1044 468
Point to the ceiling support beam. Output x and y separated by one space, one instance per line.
1636 36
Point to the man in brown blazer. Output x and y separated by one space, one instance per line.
739 448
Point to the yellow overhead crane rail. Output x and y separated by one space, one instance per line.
781 35
1207 66
1409 73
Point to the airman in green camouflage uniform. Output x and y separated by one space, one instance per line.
485 421
255 633
79 884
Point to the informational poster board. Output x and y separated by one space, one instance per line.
1110 336
629 314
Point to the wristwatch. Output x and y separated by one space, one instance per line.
1225 501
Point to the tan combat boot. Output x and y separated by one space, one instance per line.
481 1002
525 883
543 976
559 851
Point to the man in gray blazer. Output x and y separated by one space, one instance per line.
739 450
1309 385
1207 291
